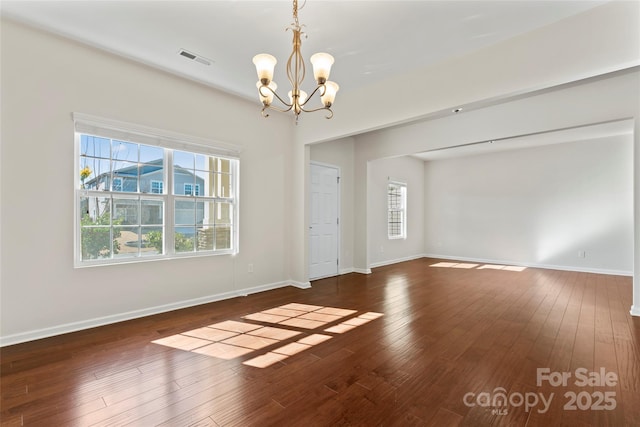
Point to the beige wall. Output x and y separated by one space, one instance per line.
410 171
538 206
567 107
44 80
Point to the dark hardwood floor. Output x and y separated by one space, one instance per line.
412 344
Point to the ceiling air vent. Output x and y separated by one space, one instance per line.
195 57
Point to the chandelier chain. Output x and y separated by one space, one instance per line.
295 12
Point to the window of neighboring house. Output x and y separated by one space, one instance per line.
189 189
133 219
157 187
396 210
117 184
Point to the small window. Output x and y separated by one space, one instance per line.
157 187
397 210
192 190
117 184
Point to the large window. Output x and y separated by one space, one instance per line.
397 210
137 201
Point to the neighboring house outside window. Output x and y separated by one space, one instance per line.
134 219
396 210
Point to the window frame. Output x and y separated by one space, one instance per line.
402 210
168 141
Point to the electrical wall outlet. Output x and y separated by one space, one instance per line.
582 254
250 268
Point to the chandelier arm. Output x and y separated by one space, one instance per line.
286 104
277 96
330 116
281 110
265 87
313 93
320 109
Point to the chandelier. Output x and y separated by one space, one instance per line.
298 98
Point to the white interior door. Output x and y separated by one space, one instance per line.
324 222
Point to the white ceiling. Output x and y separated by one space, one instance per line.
370 40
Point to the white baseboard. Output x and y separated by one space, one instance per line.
395 261
533 265
354 270
635 311
301 285
121 317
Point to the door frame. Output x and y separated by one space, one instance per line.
338 213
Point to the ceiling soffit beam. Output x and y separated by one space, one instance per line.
598 42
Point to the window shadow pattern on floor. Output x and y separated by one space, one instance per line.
308 324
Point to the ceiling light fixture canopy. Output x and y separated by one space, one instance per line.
298 98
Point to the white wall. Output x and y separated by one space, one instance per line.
44 79
536 206
410 171
597 101
340 153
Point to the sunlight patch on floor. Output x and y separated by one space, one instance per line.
230 339
347 325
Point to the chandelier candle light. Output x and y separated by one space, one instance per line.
298 98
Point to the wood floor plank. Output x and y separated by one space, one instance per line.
444 338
